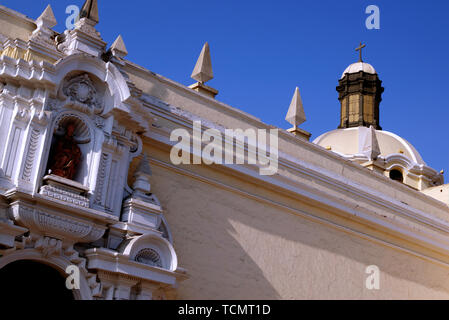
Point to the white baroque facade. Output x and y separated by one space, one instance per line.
354 198
115 234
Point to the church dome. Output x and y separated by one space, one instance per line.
346 142
359 66
359 137
384 152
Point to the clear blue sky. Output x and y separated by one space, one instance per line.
261 50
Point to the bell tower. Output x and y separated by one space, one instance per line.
360 93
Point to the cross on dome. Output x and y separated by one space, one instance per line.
359 49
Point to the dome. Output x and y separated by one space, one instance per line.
384 152
346 143
359 66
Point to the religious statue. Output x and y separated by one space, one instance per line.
66 155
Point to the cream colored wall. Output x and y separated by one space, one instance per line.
237 247
14 26
440 193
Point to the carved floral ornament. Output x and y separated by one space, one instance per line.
81 93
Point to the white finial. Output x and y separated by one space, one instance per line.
47 19
142 175
144 166
203 68
368 145
118 48
295 114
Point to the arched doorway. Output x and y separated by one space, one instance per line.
27 279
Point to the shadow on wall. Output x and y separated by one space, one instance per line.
235 247
238 248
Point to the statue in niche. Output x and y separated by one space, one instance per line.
66 155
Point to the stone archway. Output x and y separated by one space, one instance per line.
32 280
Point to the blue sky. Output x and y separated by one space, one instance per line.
262 50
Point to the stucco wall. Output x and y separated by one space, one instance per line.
14 25
237 247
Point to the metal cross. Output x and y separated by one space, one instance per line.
359 49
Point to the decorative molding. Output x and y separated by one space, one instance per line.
60 225
64 195
32 148
65 190
101 176
49 246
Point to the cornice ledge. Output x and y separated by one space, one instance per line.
42 202
193 93
425 236
114 262
29 71
338 182
16 14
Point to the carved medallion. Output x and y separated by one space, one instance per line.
81 91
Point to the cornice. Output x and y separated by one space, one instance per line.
18 15
210 101
184 120
107 261
363 219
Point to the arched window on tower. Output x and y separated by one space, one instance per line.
396 175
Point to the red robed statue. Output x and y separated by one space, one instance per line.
66 155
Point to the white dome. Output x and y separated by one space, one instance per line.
346 143
359 66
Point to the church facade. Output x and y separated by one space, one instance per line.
92 205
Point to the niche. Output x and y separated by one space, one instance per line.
70 149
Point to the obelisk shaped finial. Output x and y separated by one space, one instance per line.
118 48
203 73
144 166
90 11
47 18
203 68
142 174
369 146
297 116
46 21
